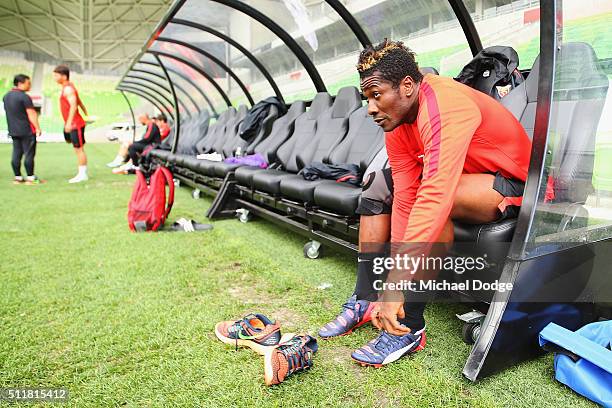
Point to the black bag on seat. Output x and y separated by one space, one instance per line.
254 119
494 71
347 173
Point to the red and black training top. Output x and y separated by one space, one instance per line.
152 134
77 119
458 130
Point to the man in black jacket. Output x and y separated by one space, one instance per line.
152 136
23 128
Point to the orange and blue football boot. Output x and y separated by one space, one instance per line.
288 358
387 348
255 331
355 313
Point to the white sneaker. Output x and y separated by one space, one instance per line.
78 178
114 163
125 169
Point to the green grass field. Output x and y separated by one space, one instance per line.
127 319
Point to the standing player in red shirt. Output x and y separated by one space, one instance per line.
74 125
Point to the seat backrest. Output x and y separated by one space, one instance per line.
186 135
362 142
234 142
332 126
198 129
216 131
231 132
282 129
262 133
429 70
522 100
203 124
304 131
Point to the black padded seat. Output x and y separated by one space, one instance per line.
269 181
220 169
206 167
179 159
244 175
191 163
339 198
297 188
160 153
501 231
172 158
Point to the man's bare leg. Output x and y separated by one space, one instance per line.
475 200
374 229
82 162
81 156
122 155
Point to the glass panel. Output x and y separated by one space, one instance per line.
186 85
182 97
575 201
156 89
429 28
240 65
321 33
147 94
512 23
282 64
213 69
196 78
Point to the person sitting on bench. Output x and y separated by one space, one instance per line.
162 123
151 136
455 154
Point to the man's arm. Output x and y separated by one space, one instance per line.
31 112
446 129
147 134
73 101
33 118
406 172
83 108
406 177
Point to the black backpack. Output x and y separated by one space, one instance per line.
494 71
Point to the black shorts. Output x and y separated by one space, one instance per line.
512 191
377 194
76 137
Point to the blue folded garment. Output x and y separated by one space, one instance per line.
583 359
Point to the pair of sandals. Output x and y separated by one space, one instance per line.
185 225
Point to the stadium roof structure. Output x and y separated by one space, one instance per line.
100 35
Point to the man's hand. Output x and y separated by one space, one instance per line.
68 128
385 315
38 132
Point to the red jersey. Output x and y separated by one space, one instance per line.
458 130
77 121
164 130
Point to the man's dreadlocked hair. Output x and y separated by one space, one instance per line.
392 59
